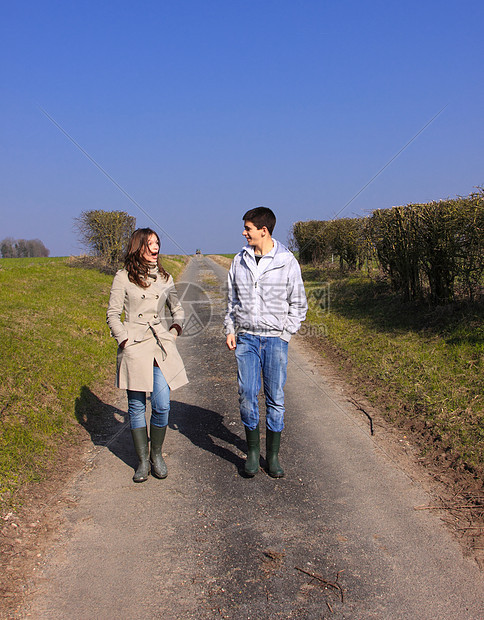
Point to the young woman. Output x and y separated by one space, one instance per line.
148 359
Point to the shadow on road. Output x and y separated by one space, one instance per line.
203 427
107 425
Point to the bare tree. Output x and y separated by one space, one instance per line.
7 247
37 248
105 233
22 248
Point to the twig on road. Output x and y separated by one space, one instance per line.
360 408
474 527
448 507
324 581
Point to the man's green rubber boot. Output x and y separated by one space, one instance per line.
253 452
273 442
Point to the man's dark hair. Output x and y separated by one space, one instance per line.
260 217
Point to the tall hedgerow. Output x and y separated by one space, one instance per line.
432 251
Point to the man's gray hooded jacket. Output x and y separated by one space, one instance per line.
265 299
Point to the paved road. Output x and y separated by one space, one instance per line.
209 543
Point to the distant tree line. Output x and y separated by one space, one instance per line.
432 251
22 248
105 234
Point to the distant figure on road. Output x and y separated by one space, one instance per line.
266 305
148 359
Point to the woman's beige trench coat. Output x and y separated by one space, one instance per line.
144 328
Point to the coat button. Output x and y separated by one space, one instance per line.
157 297
140 315
142 296
156 316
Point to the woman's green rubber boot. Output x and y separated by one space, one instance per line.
157 437
140 440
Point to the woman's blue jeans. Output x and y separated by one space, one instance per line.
160 403
256 354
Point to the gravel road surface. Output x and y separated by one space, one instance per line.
338 537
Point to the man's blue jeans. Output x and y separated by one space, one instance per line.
160 403
269 355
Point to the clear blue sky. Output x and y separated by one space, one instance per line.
202 109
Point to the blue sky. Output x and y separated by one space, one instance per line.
203 109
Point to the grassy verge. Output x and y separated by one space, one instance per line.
55 348
175 264
55 341
423 367
222 259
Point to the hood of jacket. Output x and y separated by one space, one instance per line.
278 257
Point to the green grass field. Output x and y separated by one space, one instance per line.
54 344
423 366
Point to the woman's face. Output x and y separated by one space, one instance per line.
151 251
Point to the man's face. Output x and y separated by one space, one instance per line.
253 234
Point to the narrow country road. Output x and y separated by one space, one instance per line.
210 543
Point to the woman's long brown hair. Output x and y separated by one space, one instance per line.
138 267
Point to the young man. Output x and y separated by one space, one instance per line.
266 305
